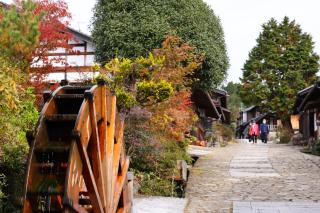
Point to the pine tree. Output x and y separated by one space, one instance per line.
282 63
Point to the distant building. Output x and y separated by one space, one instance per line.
210 107
79 59
306 117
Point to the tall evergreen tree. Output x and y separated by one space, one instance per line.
130 28
234 100
282 63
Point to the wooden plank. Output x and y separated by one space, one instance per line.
117 151
89 178
121 180
96 156
74 170
111 112
182 170
103 124
126 209
73 53
68 69
130 190
102 128
83 123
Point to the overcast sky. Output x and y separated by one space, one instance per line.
241 21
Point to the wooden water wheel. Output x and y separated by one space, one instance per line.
77 160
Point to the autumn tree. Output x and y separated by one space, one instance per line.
155 93
117 32
282 63
54 35
19 30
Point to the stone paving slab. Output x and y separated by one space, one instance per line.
247 163
158 205
276 207
199 150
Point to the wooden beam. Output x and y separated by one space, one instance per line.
111 115
102 128
103 123
88 176
117 150
72 69
72 53
96 156
121 180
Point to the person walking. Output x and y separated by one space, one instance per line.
250 132
254 130
264 130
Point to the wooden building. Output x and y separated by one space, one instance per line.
79 59
210 107
306 116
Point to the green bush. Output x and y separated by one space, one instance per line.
154 185
14 147
153 156
225 131
125 100
285 135
317 147
152 92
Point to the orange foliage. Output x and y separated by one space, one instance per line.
181 61
174 116
53 35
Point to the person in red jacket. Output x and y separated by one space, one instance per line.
254 130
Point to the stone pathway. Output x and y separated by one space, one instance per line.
276 207
279 178
158 205
252 162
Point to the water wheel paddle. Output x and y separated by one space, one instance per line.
77 160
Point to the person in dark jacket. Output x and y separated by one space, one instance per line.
264 131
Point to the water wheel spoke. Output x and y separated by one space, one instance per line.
120 182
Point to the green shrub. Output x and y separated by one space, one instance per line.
317 147
154 185
223 130
153 156
14 147
152 92
125 100
285 135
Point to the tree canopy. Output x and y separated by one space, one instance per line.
234 100
282 63
129 28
